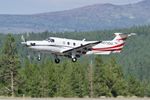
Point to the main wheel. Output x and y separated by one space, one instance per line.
57 61
74 59
39 58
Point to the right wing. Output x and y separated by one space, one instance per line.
80 50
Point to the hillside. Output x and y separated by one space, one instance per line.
134 59
125 74
89 18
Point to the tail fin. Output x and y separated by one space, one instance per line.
122 37
114 46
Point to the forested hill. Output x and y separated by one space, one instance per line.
124 74
94 17
135 56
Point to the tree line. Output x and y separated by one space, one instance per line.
90 77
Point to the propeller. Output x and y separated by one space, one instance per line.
132 34
24 43
24 39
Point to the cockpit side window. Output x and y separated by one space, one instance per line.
50 40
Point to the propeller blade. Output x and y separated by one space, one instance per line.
23 39
132 34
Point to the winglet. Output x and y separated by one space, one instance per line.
122 36
131 34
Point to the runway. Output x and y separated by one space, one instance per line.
4 98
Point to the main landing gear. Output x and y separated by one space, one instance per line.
74 59
39 57
57 60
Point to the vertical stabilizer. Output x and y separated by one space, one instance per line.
122 36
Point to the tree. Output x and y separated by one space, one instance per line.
9 64
135 87
29 74
64 78
115 79
109 79
79 81
100 71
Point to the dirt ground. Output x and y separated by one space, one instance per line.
4 98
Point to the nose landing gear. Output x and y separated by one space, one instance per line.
57 60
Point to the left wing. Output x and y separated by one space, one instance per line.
80 50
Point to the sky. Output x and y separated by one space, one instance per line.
41 6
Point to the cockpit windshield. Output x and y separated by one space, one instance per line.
50 40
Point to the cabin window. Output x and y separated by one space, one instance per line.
68 43
74 44
51 40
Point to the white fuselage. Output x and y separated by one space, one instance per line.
57 45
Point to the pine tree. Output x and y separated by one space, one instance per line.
135 87
30 75
108 79
65 88
9 64
115 79
100 71
79 80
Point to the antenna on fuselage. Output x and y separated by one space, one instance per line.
83 39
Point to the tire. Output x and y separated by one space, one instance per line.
38 58
57 61
74 59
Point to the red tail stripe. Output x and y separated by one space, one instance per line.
110 47
122 39
109 50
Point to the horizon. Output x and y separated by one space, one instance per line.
27 7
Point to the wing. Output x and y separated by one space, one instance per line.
80 50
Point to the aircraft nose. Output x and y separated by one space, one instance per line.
24 43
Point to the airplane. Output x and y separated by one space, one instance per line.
74 49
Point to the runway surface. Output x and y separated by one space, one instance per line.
74 98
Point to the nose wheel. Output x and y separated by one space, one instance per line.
57 60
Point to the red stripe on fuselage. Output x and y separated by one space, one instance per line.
109 48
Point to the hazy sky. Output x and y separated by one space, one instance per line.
39 6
